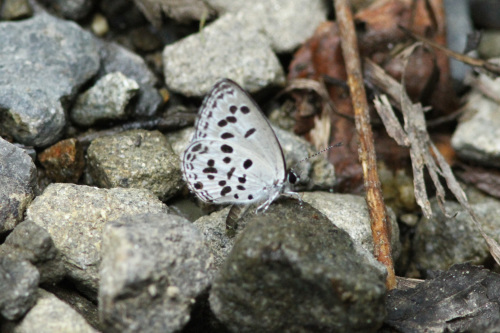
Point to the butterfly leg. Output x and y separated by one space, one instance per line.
295 195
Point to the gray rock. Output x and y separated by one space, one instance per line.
115 58
47 61
51 315
86 308
32 243
136 159
287 24
230 49
477 136
350 213
459 27
489 46
106 100
154 267
18 184
292 270
71 9
441 242
213 228
74 216
180 140
18 285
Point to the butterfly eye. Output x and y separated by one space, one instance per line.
293 178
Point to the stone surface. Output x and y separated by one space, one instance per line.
183 11
441 242
350 213
18 285
30 242
108 99
154 266
71 9
51 315
135 159
47 61
74 216
489 44
287 24
230 49
458 27
63 161
15 9
18 184
292 270
213 228
477 136
85 307
115 58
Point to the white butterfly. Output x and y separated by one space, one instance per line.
234 156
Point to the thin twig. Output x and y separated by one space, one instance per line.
374 199
478 63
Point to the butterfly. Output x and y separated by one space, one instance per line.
235 156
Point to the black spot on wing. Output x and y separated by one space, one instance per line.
250 132
197 147
230 173
225 190
247 164
226 149
227 135
210 170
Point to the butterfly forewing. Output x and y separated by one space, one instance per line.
235 155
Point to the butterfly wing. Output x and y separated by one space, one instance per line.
232 138
221 175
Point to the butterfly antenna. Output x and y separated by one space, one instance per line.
319 152
311 156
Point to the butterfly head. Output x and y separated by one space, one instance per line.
292 177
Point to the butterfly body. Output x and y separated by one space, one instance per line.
234 156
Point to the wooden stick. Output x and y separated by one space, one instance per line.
381 229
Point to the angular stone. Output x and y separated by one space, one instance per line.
74 216
135 159
18 285
18 184
292 270
245 57
58 57
154 266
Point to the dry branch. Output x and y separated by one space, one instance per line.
379 224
